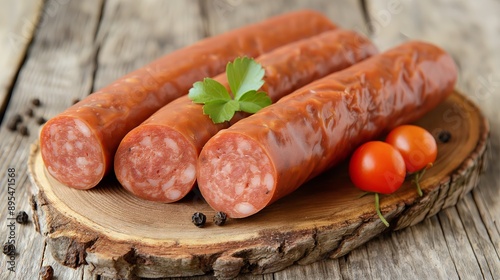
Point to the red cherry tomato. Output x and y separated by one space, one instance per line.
377 167
417 146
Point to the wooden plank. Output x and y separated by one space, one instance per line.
56 65
482 243
459 245
18 20
29 245
483 198
133 34
223 15
356 264
317 270
411 254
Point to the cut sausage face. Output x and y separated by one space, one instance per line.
238 175
156 163
73 153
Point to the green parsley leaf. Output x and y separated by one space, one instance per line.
245 78
253 101
207 91
221 111
243 75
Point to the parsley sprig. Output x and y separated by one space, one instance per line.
245 79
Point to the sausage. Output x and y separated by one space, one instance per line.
157 160
78 145
268 155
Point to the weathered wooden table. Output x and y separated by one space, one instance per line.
60 50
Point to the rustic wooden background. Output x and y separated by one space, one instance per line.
59 50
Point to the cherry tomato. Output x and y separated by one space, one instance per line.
377 167
417 146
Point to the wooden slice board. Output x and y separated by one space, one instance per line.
122 236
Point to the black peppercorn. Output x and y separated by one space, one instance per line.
22 217
220 218
199 219
36 102
14 121
24 130
12 125
41 120
29 112
9 249
444 136
46 272
17 118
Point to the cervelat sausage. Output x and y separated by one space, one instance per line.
268 155
157 160
78 145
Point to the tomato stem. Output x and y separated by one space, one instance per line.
377 207
418 176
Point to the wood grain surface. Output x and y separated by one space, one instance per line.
17 26
78 46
